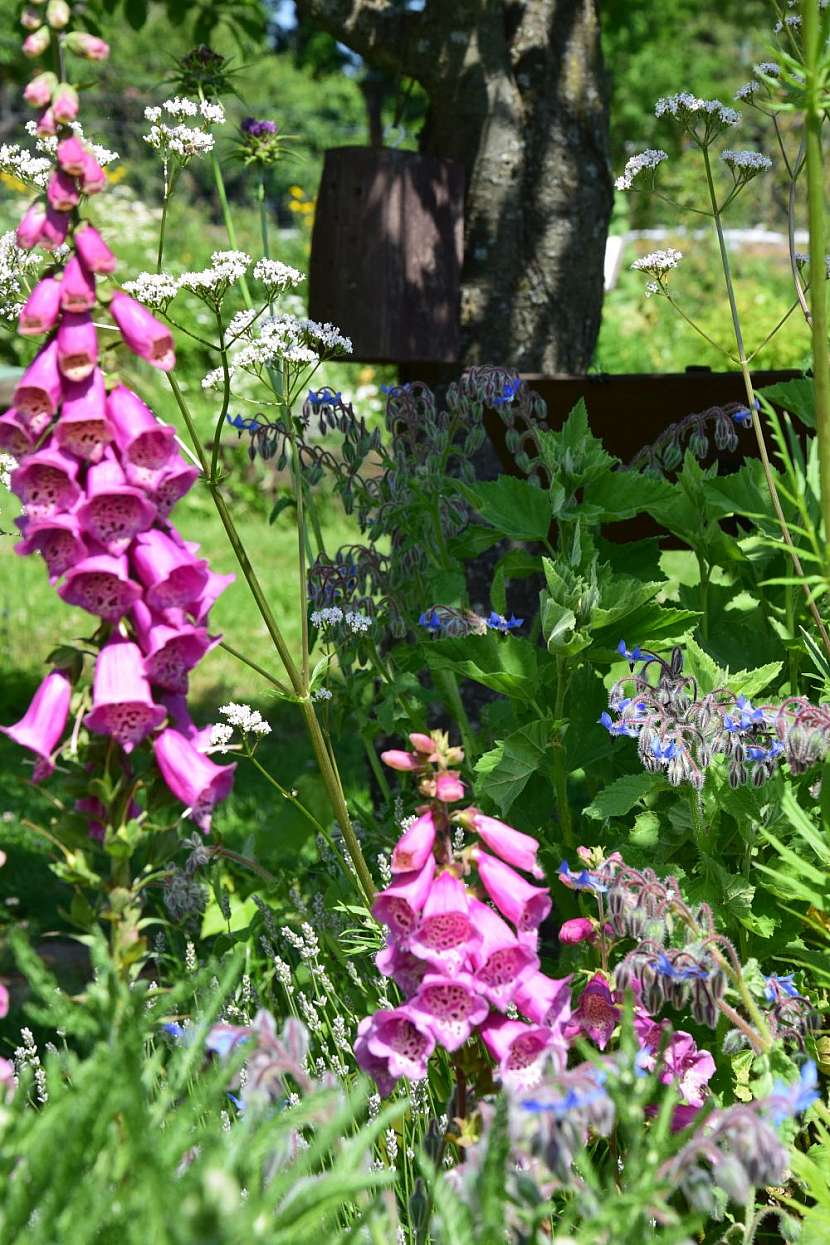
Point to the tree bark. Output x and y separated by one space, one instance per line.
517 95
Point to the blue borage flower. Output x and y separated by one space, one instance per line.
777 987
317 398
618 728
786 1101
497 622
692 972
572 1101
508 393
393 391
634 654
582 881
665 751
430 619
747 716
243 425
742 416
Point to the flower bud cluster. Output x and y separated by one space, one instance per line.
97 476
463 966
680 732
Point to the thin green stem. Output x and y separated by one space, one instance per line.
227 218
447 685
163 225
226 401
247 661
285 793
753 406
560 775
773 331
703 567
814 90
376 768
721 350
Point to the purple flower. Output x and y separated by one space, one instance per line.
44 721
258 129
634 654
585 880
122 703
742 416
525 905
596 1014
500 961
431 620
519 1049
780 986
400 904
192 777
394 1043
445 933
450 1008
787 1101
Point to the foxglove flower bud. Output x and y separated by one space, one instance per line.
65 104
71 154
509 845
36 43
578 929
77 287
192 777
30 19
122 704
40 311
44 722
143 333
93 177
38 92
58 14
93 250
89 46
30 229
413 848
47 126
403 761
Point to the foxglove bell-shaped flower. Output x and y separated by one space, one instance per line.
515 848
596 1014
169 485
169 572
400 904
30 229
215 585
170 651
445 933
77 345
83 428
93 177
62 193
46 483
77 288
142 440
93 250
101 585
54 230
405 969
71 154
143 333
448 787
500 961
415 845
525 905
58 541
122 704
393 1043
450 1008
41 309
38 391
15 434
176 705
547 1000
114 512
44 722
192 777
65 104
520 1050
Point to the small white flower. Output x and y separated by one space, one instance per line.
179 107
658 262
214 114
358 622
686 108
154 289
249 721
220 736
276 275
328 617
14 262
322 693
214 379
746 164
648 159
769 69
747 90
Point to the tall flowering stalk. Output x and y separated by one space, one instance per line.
98 475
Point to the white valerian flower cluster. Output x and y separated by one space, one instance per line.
770 69
276 275
747 90
7 466
239 324
14 264
658 262
17 162
688 108
247 720
282 339
802 259
220 737
746 164
648 159
158 289
183 140
154 289
792 20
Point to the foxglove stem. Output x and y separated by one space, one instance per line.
753 409
815 113
560 777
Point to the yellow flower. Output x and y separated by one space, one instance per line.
14 183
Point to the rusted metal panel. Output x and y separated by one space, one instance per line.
386 253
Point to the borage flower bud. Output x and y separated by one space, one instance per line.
400 904
37 42
83 428
413 848
510 845
114 512
62 192
15 434
142 332
46 483
141 439
93 250
44 722
578 929
77 287
122 704
65 104
38 92
77 346
101 585
40 311
38 391
169 572
394 1043
192 777
58 14
30 229
56 539
450 1008
525 905
89 46
71 155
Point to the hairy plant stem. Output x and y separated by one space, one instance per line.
753 405
814 119
328 771
163 226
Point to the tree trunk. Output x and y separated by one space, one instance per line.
517 96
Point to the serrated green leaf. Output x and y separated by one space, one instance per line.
796 396
507 768
506 664
512 506
623 494
620 796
